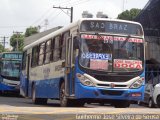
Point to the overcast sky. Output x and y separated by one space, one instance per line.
17 15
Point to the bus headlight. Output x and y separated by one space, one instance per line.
84 80
138 83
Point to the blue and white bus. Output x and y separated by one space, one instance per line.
10 64
93 59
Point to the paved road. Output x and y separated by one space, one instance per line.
25 110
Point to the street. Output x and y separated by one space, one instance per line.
24 110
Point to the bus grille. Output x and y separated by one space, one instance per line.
111 92
113 78
107 85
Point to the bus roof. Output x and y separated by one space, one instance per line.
71 25
10 52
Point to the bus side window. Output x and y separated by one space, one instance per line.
34 56
63 50
56 51
48 52
41 53
24 60
52 48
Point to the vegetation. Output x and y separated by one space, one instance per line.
17 40
30 31
129 14
2 48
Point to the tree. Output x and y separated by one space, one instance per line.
16 42
30 31
129 14
2 48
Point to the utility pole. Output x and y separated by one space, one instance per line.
17 44
71 9
4 41
124 2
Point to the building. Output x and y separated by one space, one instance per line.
149 17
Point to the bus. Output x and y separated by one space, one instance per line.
91 60
10 64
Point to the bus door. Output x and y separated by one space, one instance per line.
69 84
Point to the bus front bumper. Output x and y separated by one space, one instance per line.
85 92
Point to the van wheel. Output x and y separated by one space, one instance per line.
38 101
122 104
151 103
158 101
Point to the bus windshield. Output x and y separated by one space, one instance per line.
111 53
10 68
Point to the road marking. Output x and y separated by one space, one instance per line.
65 110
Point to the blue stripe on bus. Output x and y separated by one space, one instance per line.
4 87
48 88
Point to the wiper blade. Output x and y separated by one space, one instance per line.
126 40
110 49
99 36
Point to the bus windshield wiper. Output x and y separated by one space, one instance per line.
126 40
99 36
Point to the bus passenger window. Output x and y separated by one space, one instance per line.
41 53
34 56
63 50
56 51
24 60
48 52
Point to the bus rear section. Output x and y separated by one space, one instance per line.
10 69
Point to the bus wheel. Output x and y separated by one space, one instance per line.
122 104
77 103
64 102
38 101
158 101
101 103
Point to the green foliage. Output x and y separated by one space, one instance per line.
2 48
30 31
129 14
17 39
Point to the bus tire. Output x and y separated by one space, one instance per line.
37 101
122 104
64 102
101 103
158 101
77 103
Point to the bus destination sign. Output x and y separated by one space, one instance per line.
13 56
111 27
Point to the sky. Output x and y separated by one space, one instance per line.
17 15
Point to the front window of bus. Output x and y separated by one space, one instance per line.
10 68
128 55
125 54
96 54
111 46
